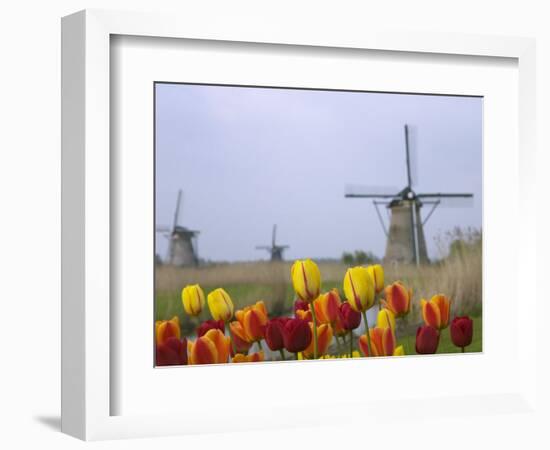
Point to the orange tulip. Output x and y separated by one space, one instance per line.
382 342
324 337
165 329
327 307
253 320
398 299
436 311
212 348
253 357
304 315
240 338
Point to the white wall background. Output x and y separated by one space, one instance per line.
30 196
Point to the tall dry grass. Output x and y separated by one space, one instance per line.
458 276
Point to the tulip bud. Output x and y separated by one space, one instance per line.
253 319
399 351
166 329
324 337
192 298
306 279
377 273
209 325
172 352
359 288
398 299
385 319
253 357
296 335
382 341
350 319
462 331
274 333
427 340
220 305
436 311
240 338
327 307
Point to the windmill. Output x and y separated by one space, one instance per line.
275 250
182 242
405 238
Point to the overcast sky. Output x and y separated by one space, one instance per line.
247 158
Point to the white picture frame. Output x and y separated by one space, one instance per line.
87 316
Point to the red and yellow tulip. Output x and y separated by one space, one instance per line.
398 299
192 298
253 357
377 273
385 319
436 311
359 288
165 329
327 307
382 342
324 337
253 320
212 348
240 339
306 279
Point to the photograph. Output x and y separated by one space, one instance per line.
296 224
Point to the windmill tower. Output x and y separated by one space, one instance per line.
275 250
182 245
405 238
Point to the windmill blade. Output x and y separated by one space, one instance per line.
273 235
414 235
458 200
163 229
411 149
263 247
365 191
177 212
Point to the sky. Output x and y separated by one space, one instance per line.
247 158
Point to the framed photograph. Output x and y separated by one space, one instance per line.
243 209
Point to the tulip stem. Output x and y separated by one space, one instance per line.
351 343
313 315
367 330
282 354
260 346
462 349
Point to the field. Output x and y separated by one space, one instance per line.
459 277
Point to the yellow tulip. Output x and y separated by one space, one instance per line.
220 305
165 329
192 298
385 319
306 279
377 273
359 288
399 351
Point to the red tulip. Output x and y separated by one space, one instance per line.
301 305
172 352
349 318
274 333
296 335
210 325
427 340
462 330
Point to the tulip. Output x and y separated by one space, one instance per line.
172 352
239 338
306 279
382 342
436 311
327 307
385 319
296 335
192 298
212 348
304 315
253 357
427 340
399 351
359 288
274 334
209 325
165 329
377 273
350 319
398 299
324 336
253 319
462 331
220 305
300 305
